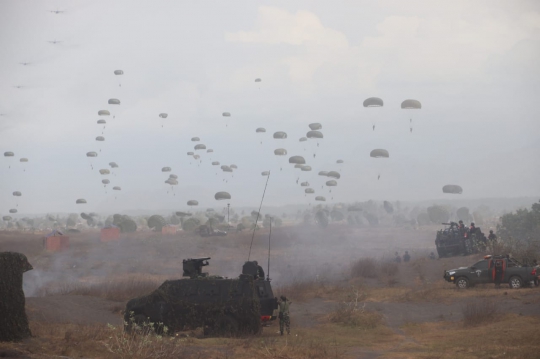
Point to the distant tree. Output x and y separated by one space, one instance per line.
173 219
321 218
523 225
190 224
337 216
240 227
438 214
372 219
156 222
463 214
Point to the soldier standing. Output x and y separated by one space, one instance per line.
492 237
284 319
398 258
406 257
432 255
498 272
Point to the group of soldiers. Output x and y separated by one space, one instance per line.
467 232
406 257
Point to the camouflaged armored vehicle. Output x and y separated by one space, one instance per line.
452 241
221 306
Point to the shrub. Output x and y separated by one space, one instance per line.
350 313
365 267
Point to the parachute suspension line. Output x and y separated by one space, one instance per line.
269 237
258 214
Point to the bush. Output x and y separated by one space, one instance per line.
438 214
365 267
350 313
190 224
156 222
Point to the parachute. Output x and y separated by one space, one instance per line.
91 154
280 152
309 190
100 138
163 115
453 189
258 80
220 196
331 183
200 146
323 173
226 168
166 169
215 163
306 168
373 102
80 201
9 154
173 176
118 72
196 157
113 165
298 165
280 135
265 173
299 160
339 161
226 114
388 207
315 126
13 210
103 113
190 153
105 181
104 172
314 134
101 122
320 198
117 188
17 194
303 139
333 174
23 159
192 203
209 150
7 218
260 130
195 139
234 166
304 184
171 181
379 153
411 105
114 101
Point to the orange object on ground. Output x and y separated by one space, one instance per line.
168 230
109 234
55 241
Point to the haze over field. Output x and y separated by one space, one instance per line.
472 65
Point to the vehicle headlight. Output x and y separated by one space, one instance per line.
452 278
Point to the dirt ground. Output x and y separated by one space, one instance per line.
420 313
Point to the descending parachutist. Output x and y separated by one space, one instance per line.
313 155
281 169
317 144
411 129
373 127
378 177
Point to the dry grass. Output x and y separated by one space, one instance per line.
353 313
366 268
480 312
303 290
117 289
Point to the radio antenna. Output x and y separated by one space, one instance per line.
269 236
258 214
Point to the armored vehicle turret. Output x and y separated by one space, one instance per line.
220 305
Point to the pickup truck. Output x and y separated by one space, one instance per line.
482 272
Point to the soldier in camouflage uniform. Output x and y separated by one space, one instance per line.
284 319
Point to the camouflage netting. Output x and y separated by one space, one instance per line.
13 320
221 306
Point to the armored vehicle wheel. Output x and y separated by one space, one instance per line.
225 325
515 282
462 283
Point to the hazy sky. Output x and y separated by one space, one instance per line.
472 64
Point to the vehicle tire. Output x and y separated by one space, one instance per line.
462 283
515 282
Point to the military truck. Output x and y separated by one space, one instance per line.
514 273
452 241
208 231
221 306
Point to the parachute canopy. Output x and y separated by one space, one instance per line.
105 181
173 176
331 183
17 194
260 130
226 168
334 174
226 114
280 152
9 154
320 198
265 173
192 203
80 201
379 153
309 190
209 150
163 115
299 160
452 188
314 134
117 188
220 196
200 146
13 210
215 163
100 138
190 153
258 80
104 172
373 102
195 139
104 113
101 122
280 135
118 72
339 161
7 218
323 173
113 165
304 184
171 181
166 169
315 126
234 166
303 139
114 101
411 105
305 168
